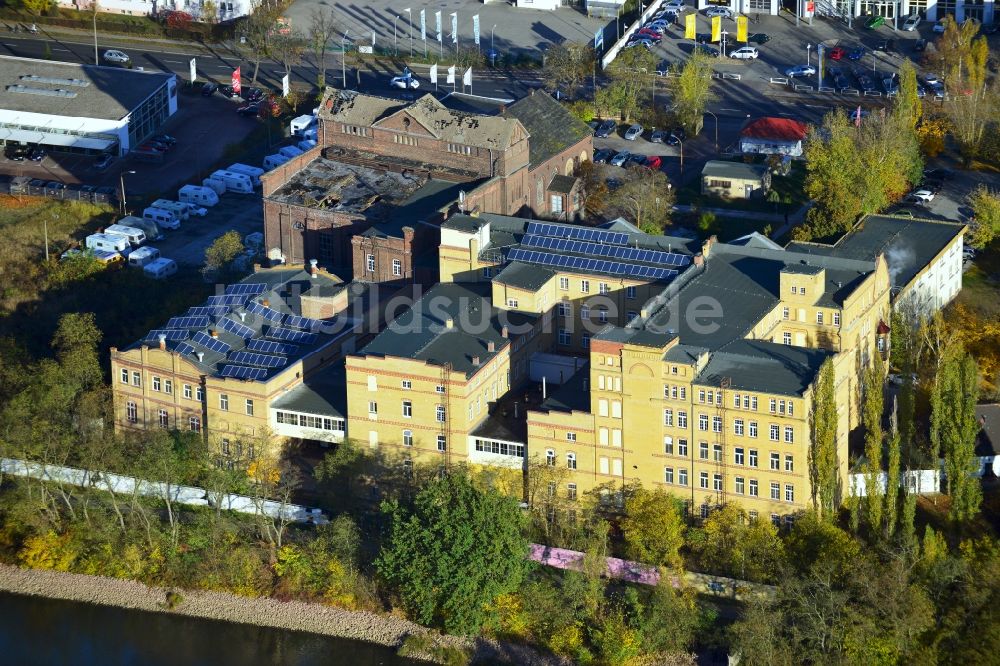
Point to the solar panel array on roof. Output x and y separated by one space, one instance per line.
305 323
187 322
232 300
168 333
289 335
207 341
248 289
265 312
208 311
579 233
623 252
184 348
242 372
272 347
259 360
236 328
593 265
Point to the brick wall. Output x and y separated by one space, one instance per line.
278 176
298 231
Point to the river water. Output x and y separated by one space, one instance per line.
49 632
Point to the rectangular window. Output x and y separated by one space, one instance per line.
224 402
775 491
564 283
790 410
682 447
131 412
717 452
602 407
571 437
836 319
564 309
819 318
602 287
124 376
407 409
668 474
784 313
372 408
603 436
682 420
738 455
564 339
156 383
753 429
439 413
703 422
550 457
703 480
370 263
683 388
795 289
407 438
136 378
668 445
781 406
439 388
773 405
225 446
736 400
786 338
442 443
616 409
585 286
407 384
571 460
199 394
753 403
585 341
703 450
701 396
775 432
487 272
187 391
512 302
789 434
789 492
194 423
571 492
789 464
753 487
168 386
753 457
249 407
717 482
585 312
740 485
630 293
716 424
682 477
775 461
397 267
737 426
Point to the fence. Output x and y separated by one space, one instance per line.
617 47
68 194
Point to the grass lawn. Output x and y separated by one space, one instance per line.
790 186
726 228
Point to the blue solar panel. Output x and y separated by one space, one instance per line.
305 323
623 252
232 300
242 372
248 289
579 233
259 360
591 265
187 322
290 335
168 333
272 347
236 328
208 311
207 341
265 312
184 348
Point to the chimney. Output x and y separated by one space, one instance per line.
163 341
504 333
475 361
242 314
201 356
706 247
491 346
699 260
449 323
266 303
214 333
313 271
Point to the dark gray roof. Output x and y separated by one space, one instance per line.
802 269
755 365
572 396
110 93
741 170
562 184
988 438
687 354
464 223
421 206
908 244
552 129
323 393
755 239
421 332
524 276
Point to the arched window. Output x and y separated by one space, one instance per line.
571 460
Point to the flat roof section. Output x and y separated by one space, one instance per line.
56 88
324 394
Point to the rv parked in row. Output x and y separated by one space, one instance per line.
160 268
143 256
290 151
274 161
180 210
198 195
217 185
163 218
234 182
253 172
136 237
153 232
108 243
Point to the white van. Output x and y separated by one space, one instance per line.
180 210
290 151
153 232
254 172
198 195
274 161
143 256
305 145
108 243
135 236
160 268
217 185
163 218
301 124
235 182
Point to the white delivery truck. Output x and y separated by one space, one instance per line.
163 218
305 145
136 237
235 182
153 232
180 210
290 152
198 195
301 124
143 256
217 185
274 161
108 243
254 172
160 268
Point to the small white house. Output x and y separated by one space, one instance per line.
773 136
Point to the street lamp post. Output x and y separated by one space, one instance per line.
493 53
343 56
45 230
808 49
679 141
409 27
716 128
121 180
724 33
395 49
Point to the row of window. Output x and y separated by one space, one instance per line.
570 491
160 385
224 404
439 410
739 428
741 456
442 441
602 287
228 449
786 313
306 421
162 417
407 385
741 485
506 449
674 392
397 265
566 338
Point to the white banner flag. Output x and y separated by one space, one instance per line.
284 86
467 78
423 25
454 27
373 41
451 75
475 28
434 74
437 21
194 70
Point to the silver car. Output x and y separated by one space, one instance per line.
633 132
621 158
116 57
911 23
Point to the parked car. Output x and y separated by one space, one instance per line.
890 85
103 162
724 12
36 154
745 53
54 185
635 160
800 70
88 189
658 136
704 38
920 45
115 57
887 45
874 22
838 78
15 153
602 155
865 82
836 53
911 23
251 109
150 146
209 89
676 137
659 25
653 162
673 4
651 33
227 91
704 49
648 43
856 53
165 139
939 26
252 94
921 195
663 68
759 38
404 82
933 84
621 158
633 132
605 129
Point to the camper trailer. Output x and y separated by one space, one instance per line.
160 268
198 195
136 237
274 161
235 182
254 172
217 185
108 243
306 145
290 152
143 256
180 210
153 232
163 218
301 124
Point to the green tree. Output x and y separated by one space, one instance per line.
626 91
985 204
456 551
653 527
959 390
645 197
823 447
692 91
963 58
892 483
223 250
731 544
908 107
568 66
322 29
872 410
666 618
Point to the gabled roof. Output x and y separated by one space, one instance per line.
551 127
776 129
562 184
456 126
766 367
722 169
353 108
756 239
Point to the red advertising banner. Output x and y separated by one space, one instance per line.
236 81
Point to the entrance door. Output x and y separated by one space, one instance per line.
749 190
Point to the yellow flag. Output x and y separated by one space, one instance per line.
741 29
689 26
716 28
